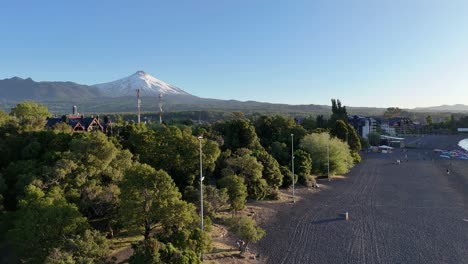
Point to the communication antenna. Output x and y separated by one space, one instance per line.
139 104
160 108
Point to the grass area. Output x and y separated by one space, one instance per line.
121 248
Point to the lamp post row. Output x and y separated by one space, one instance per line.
292 176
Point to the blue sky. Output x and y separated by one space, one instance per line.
382 53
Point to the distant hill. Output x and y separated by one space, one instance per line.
18 89
443 108
120 96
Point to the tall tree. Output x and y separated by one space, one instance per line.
4 118
353 139
392 112
339 112
236 190
429 120
374 138
90 247
340 130
247 166
303 166
237 133
247 229
340 156
271 171
176 151
321 122
147 197
43 222
31 115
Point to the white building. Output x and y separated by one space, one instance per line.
388 129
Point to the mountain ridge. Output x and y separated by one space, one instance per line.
444 108
17 88
58 96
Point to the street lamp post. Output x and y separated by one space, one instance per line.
292 165
201 187
328 159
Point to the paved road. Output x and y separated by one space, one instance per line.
408 213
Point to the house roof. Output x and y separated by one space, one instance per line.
77 122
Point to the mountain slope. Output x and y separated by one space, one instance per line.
444 108
148 85
26 89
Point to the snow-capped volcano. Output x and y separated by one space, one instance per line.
147 84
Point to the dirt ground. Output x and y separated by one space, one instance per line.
408 213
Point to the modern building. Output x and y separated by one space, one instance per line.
363 125
387 129
402 125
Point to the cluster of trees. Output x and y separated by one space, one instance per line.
64 195
448 125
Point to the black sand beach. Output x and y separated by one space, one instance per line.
408 213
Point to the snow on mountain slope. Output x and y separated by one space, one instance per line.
148 85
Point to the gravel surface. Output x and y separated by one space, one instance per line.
408 213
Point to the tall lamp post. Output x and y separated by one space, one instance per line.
328 159
201 187
292 165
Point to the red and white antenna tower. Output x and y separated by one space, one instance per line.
139 104
160 108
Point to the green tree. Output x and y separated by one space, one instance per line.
309 123
236 190
392 112
271 172
147 197
91 247
247 229
31 115
176 151
58 256
17 175
3 188
4 118
340 130
353 139
277 128
340 156
339 112
321 121
43 222
280 152
237 133
364 142
287 176
429 120
245 165
146 251
90 173
303 167
172 255
214 199
180 227
452 124
374 138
